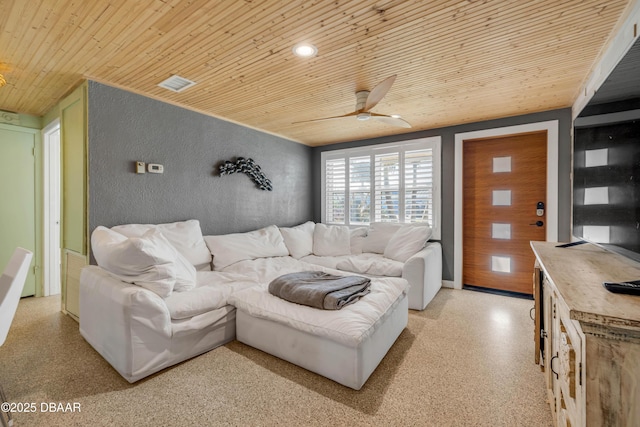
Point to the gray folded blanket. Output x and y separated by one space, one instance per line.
319 289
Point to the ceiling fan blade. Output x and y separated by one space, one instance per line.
326 118
390 120
378 92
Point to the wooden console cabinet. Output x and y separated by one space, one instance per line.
587 338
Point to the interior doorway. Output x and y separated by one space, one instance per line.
51 150
18 197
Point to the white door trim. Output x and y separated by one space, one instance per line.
51 213
551 127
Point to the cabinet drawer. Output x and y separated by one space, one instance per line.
569 368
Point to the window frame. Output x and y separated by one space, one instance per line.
434 143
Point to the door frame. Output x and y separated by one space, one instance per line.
51 167
551 127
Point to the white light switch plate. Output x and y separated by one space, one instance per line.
140 167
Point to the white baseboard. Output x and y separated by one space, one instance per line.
448 284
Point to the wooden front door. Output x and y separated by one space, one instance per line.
504 180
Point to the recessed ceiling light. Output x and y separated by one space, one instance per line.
305 50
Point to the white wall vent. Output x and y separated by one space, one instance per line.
176 83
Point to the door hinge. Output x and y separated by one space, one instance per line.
554 310
33 151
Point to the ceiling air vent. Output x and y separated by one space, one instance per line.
176 83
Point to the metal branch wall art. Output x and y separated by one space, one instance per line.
249 167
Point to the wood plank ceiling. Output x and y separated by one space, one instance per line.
457 61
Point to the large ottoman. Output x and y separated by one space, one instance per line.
343 345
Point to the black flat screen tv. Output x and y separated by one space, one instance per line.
606 161
606 179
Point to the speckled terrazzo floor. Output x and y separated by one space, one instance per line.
467 360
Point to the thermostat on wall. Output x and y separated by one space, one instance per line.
155 168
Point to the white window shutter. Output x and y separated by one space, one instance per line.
360 190
335 185
387 187
418 186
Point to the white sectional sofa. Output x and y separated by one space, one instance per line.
164 293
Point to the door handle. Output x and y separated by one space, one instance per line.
538 223
551 366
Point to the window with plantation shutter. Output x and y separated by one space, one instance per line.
396 182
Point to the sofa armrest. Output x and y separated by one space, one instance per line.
115 316
105 298
423 271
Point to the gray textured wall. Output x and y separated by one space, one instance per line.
448 160
125 127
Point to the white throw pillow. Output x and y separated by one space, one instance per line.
147 261
185 272
299 239
185 236
407 241
231 248
331 240
378 236
357 239
102 242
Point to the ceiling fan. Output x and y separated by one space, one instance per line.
365 101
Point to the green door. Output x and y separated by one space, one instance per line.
17 196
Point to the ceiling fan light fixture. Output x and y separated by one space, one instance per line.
365 101
305 50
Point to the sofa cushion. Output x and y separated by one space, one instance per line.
378 236
324 261
373 264
228 249
331 240
185 236
149 261
299 239
183 305
407 241
213 288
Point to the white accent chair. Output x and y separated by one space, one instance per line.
11 285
